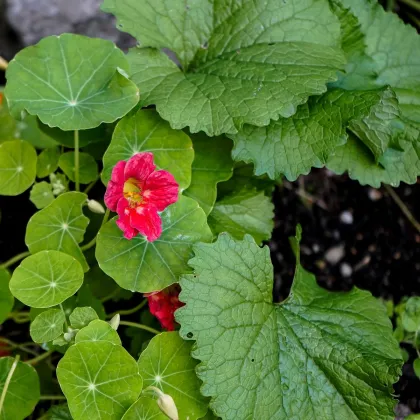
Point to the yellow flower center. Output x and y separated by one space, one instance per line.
132 192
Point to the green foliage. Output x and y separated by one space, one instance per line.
144 408
47 162
23 391
88 169
17 167
411 315
72 91
41 194
142 266
81 317
6 298
98 330
47 326
166 363
46 279
317 355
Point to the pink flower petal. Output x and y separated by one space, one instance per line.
140 166
161 189
147 221
123 222
118 172
114 192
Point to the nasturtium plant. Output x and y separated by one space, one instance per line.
146 184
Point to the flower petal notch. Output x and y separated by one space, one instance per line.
137 192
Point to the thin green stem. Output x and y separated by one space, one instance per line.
415 5
403 207
76 159
65 316
140 326
129 311
111 295
39 358
52 398
8 380
15 259
90 186
92 242
12 345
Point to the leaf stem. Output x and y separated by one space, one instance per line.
39 358
8 380
65 316
92 242
3 63
140 326
52 398
15 259
76 159
403 207
19 346
412 3
90 186
129 311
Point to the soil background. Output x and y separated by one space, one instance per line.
352 235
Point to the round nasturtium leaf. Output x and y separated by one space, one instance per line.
47 162
47 326
17 167
23 392
60 226
71 81
142 266
6 298
167 364
100 380
82 316
411 315
88 168
98 330
145 131
46 279
41 194
145 408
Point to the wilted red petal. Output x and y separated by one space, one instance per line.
147 221
118 172
123 222
113 193
140 166
161 189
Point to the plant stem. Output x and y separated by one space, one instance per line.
129 311
412 3
90 186
65 316
8 380
403 207
52 398
92 242
3 64
390 5
111 295
15 259
39 358
140 326
14 345
76 159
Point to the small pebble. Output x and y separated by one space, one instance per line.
334 254
346 217
374 194
346 270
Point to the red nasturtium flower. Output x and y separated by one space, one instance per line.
137 192
163 305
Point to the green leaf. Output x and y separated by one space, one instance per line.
46 279
144 408
100 380
292 146
245 211
98 330
47 162
6 298
58 412
41 194
47 326
60 226
416 367
71 81
212 164
411 315
317 355
145 131
167 364
81 317
8 128
85 297
142 266
88 169
248 64
23 392
29 131
17 167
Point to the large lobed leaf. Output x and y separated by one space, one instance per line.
242 62
318 355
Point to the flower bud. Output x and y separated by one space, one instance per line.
115 322
167 405
95 207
